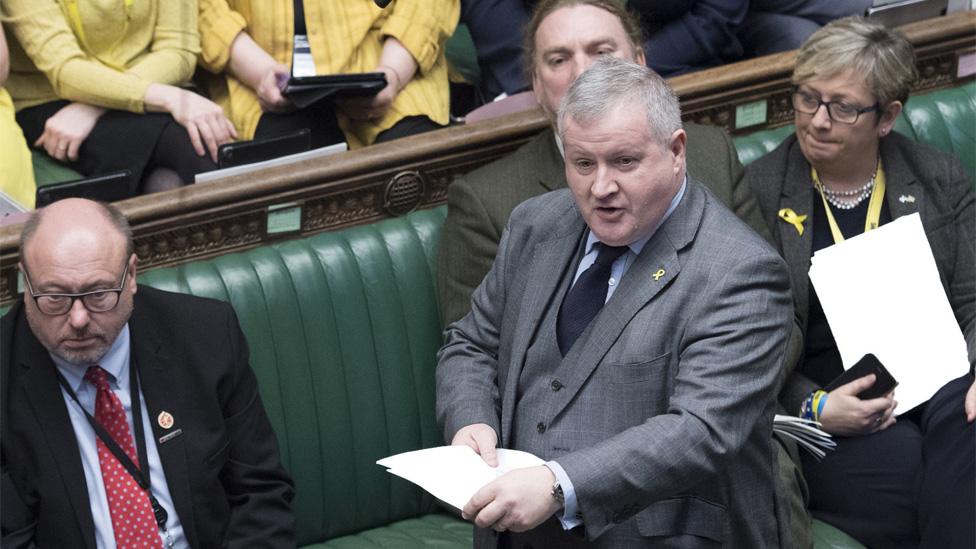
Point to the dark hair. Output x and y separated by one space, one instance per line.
544 8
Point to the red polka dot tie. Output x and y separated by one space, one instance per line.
132 515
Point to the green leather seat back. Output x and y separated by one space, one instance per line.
343 330
944 119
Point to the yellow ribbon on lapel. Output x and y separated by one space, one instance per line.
789 216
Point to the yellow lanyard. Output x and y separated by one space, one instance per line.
74 14
873 218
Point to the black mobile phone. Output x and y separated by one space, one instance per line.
259 150
107 188
869 364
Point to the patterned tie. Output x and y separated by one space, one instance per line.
585 299
132 515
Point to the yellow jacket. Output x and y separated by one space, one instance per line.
345 36
17 175
101 52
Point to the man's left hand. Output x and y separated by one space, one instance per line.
518 501
971 403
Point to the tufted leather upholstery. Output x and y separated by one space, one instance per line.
944 119
343 330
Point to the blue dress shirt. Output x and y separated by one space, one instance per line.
571 517
116 363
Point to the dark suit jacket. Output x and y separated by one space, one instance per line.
479 203
223 471
662 419
943 197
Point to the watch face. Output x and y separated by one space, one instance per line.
557 492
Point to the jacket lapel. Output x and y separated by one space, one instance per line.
151 357
796 249
561 249
652 272
549 168
902 193
40 385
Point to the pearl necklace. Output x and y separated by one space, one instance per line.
848 200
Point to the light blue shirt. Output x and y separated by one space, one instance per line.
571 516
116 363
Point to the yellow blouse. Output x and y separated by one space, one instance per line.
17 175
101 52
345 36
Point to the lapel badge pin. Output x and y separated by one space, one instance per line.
165 419
906 198
658 274
789 216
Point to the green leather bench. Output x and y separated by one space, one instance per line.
343 330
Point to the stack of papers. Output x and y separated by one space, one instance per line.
882 294
806 433
453 474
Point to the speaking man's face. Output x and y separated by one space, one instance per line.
623 179
567 42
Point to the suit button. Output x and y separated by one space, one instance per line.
541 427
556 385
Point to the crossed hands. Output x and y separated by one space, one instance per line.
518 500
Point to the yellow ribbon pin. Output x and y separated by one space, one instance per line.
659 274
789 216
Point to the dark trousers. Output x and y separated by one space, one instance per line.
122 140
911 485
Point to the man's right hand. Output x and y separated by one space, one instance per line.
481 438
846 415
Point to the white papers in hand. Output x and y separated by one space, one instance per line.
453 474
881 294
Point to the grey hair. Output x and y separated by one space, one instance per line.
111 213
610 82
884 58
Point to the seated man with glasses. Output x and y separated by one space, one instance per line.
130 416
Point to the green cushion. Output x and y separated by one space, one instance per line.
343 330
462 55
826 536
47 170
944 119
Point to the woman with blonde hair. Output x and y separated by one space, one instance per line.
905 482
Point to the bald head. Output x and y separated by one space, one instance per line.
75 220
69 249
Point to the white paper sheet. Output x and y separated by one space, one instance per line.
881 294
453 474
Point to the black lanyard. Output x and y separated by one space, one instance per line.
141 477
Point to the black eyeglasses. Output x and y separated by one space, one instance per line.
96 301
838 111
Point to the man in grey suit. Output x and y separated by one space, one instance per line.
630 332
562 39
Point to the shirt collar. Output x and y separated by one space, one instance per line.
638 245
115 362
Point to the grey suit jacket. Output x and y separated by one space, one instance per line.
917 179
664 422
479 203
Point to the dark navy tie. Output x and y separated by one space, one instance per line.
585 299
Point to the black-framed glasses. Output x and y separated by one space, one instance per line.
838 111
96 301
